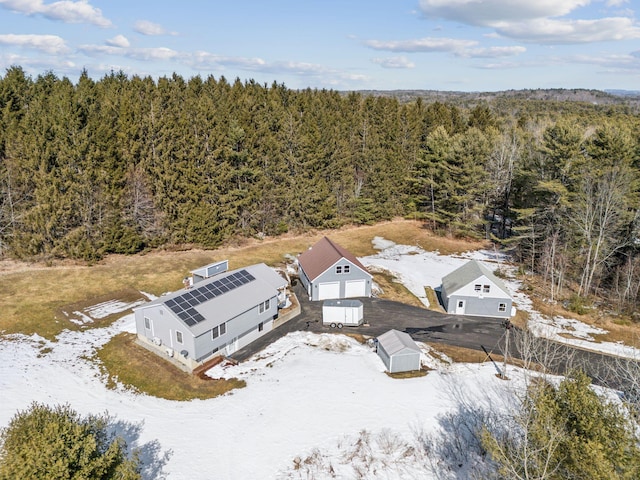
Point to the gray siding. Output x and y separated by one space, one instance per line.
304 279
237 327
384 356
330 275
405 362
483 307
164 326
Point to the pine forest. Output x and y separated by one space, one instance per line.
124 164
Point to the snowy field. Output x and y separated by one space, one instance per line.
315 406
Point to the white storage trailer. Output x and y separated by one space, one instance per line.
339 313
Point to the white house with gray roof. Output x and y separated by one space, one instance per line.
473 290
218 314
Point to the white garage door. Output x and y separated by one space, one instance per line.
328 290
354 288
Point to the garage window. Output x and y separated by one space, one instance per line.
345 269
477 287
339 269
486 288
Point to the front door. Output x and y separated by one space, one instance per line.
460 307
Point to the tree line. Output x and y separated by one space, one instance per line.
123 164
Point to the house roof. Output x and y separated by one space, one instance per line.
394 342
322 256
259 283
466 274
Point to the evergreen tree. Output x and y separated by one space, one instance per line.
57 443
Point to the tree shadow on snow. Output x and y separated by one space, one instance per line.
152 458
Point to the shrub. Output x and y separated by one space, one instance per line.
57 443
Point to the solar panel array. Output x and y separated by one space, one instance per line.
184 305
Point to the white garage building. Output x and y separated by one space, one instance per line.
328 271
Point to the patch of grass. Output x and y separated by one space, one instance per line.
35 294
413 374
434 303
463 355
135 367
394 290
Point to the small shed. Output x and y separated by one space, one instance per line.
342 313
398 352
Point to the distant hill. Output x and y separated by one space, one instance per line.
599 97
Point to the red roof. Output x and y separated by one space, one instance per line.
322 256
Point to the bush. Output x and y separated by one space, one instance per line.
52 443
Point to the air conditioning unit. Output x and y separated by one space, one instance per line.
157 341
169 352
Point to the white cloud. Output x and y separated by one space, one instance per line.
50 44
492 52
394 62
149 28
537 21
615 61
428 44
487 12
458 47
118 41
146 54
66 11
555 32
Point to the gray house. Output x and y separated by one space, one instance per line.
473 290
398 352
329 271
218 314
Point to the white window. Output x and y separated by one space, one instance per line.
264 306
485 288
147 323
477 287
219 330
502 307
339 269
178 336
346 269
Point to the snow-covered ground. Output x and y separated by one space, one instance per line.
416 268
315 406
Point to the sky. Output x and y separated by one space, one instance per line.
453 45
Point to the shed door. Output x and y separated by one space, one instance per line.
355 288
328 290
460 307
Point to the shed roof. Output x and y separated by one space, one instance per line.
322 256
395 342
264 284
466 274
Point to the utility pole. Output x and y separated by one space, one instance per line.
507 326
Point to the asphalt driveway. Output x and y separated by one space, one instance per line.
382 315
